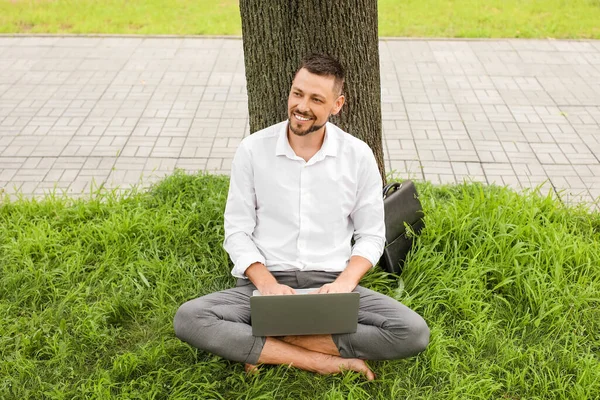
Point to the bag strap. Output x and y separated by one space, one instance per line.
390 188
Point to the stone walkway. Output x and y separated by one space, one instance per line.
78 110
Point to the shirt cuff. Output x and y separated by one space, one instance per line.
370 251
244 262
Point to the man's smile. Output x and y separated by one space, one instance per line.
302 118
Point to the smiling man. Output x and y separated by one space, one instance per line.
300 191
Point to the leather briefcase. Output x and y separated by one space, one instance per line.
401 206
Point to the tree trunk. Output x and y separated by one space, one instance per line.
278 34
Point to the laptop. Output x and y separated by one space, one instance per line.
304 313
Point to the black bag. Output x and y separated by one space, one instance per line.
401 205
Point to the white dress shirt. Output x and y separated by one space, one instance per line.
290 214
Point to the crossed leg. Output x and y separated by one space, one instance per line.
220 323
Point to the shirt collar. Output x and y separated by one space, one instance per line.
328 148
283 147
330 143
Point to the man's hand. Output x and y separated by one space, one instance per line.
275 289
336 287
349 278
265 282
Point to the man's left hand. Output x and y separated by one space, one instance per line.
336 287
349 278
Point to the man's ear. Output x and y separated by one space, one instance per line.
337 105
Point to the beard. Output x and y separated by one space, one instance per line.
311 129
299 132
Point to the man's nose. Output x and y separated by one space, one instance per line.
303 104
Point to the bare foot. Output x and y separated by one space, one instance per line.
336 365
319 343
278 352
251 369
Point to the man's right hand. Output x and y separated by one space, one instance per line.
275 289
265 282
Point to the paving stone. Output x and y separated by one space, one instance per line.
398 133
6 174
468 172
199 140
160 163
28 187
124 163
575 196
537 183
595 193
205 123
470 178
47 151
481 131
463 155
467 168
589 173
226 165
428 150
577 153
490 151
46 188
214 164
410 169
194 164
508 132
436 167
90 180
425 130
549 153
54 175
222 152
578 115
440 179
530 171
560 170
497 168
185 109
125 178
195 152
31 174
509 180
10 188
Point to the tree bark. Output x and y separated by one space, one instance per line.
278 34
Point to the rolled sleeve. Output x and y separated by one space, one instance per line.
367 215
246 254
240 215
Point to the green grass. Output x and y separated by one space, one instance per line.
509 284
409 18
490 18
175 17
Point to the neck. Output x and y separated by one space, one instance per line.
306 146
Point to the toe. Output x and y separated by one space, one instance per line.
251 369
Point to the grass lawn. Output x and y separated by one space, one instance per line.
509 284
409 18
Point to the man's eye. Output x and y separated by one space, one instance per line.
318 101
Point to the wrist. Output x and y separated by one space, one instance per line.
262 286
347 282
260 276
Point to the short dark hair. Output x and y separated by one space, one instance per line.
324 65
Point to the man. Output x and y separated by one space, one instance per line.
299 191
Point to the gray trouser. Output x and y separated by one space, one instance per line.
220 323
